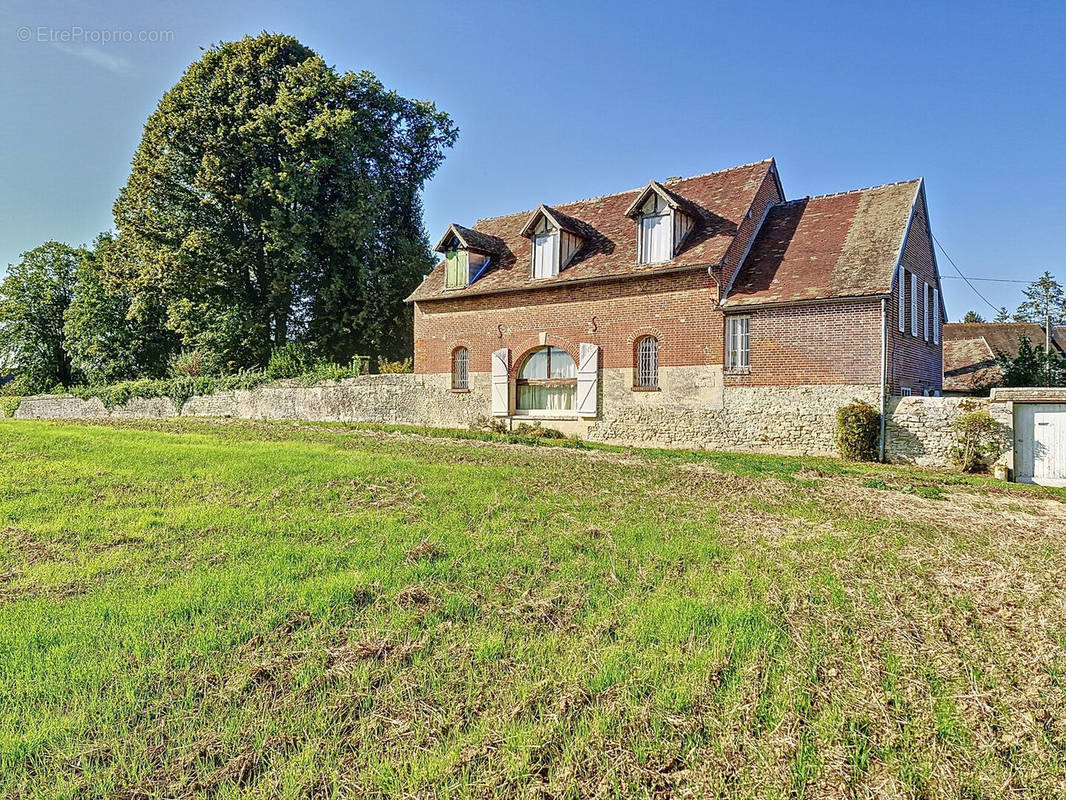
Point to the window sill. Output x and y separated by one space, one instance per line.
646 389
460 391
543 415
738 371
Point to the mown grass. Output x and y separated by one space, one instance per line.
257 610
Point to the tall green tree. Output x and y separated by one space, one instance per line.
973 316
1045 302
1032 366
33 299
1002 315
272 198
110 334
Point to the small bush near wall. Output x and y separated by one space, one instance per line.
9 405
396 367
858 431
976 440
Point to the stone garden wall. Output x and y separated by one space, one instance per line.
788 420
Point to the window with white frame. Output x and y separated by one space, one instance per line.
902 309
914 305
647 372
654 231
545 251
737 343
461 369
905 391
547 381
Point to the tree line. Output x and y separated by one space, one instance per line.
272 202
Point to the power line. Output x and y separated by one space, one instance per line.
996 280
972 287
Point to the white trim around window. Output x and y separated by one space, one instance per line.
738 343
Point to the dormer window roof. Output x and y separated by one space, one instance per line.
554 238
467 253
664 219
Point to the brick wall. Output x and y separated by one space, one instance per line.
823 343
912 361
679 309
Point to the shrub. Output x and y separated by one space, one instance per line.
386 367
976 439
9 404
290 361
193 364
858 431
535 431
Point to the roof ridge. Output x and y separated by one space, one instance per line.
856 191
624 191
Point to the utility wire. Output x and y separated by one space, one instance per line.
995 280
972 287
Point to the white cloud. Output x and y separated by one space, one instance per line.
94 55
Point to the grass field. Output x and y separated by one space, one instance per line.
258 610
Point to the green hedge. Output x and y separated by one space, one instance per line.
179 390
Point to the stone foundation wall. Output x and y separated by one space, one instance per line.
797 420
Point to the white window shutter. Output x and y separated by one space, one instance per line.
588 380
926 309
936 315
914 305
902 309
501 394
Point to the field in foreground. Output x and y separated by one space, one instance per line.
259 610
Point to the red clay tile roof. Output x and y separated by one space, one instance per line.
721 201
969 365
1002 337
971 349
838 245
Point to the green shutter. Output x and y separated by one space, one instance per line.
455 272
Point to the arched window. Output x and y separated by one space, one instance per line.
647 371
461 368
547 381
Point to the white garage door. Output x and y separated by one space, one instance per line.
1040 443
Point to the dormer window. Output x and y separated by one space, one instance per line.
554 240
663 221
545 251
466 255
655 231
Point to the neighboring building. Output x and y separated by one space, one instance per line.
711 293
972 349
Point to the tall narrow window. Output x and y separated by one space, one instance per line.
647 376
914 305
737 343
655 231
461 369
545 251
902 309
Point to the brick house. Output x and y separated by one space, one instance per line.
972 350
708 298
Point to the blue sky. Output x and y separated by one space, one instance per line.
558 101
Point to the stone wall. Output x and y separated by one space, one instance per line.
790 420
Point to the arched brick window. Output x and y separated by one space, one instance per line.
461 368
646 373
547 381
